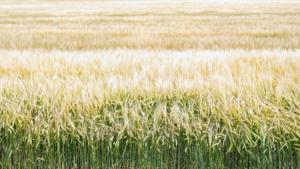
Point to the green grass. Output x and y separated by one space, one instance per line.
212 140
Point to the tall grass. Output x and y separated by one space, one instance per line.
143 109
148 84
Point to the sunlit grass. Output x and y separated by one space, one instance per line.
149 84
95 25
132 109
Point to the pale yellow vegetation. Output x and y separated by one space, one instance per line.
149 84
175 25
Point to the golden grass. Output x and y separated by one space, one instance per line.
153 25
149 84
240 102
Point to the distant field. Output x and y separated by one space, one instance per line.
149 84
88 25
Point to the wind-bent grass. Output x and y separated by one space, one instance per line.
149 84
145 109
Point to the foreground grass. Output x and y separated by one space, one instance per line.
145 109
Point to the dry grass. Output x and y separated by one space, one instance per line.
148 84
243 104
153 25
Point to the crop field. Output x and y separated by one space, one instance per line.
149 84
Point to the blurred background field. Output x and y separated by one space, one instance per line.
172 25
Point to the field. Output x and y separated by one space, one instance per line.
149 84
